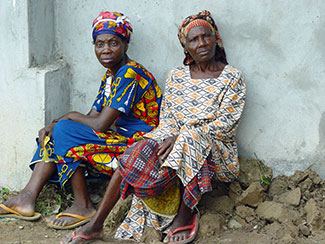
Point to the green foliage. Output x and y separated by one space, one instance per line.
43 207
265 178
59 198
49 201
4 193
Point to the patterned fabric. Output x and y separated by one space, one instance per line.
137 218
200 184
135 93
204 113
165 204
112 23
73 144
201 19
142 176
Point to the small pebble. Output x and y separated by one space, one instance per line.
21 227
304 230
46 236
233 224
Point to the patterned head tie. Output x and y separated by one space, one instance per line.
112 23
201 19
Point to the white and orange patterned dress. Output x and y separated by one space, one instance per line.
205 114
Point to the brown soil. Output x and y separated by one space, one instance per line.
254 209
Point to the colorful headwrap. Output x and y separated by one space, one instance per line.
201 19
112 23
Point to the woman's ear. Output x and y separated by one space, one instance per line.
126 47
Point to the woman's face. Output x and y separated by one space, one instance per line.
201 44
110 50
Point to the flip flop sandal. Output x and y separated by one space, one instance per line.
193 228
15 215
81 220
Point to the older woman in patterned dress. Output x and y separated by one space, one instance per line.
195 141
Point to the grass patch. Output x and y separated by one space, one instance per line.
4 193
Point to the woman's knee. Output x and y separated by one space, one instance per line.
64 127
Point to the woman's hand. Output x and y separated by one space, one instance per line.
46 131
166 147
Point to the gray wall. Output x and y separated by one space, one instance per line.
34 84
277 44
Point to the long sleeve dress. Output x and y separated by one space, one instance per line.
204 113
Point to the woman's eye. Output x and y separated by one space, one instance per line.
113 43
99 44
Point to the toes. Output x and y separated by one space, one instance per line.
62 221
51 220
58 222
66 239
54 221
174 238
178 237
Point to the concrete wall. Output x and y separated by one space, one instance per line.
41 31
31 84
14 97
277 44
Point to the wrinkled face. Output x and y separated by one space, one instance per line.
110 50
201 44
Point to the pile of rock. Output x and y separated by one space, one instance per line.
287 208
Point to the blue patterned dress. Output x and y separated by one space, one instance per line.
135 93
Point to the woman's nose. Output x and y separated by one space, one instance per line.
202 41
106 48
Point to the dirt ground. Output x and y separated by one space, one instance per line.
22 232
19 232
252 210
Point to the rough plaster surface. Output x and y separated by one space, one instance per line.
57 91
41 31
278 45
30 96
14 95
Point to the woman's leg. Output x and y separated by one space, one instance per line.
183 218
94 228
82 204
24 202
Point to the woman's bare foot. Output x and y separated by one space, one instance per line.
183 218
23 203
89 230
82 210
